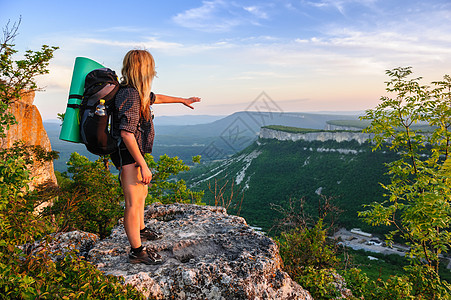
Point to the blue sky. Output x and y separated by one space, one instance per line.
327 55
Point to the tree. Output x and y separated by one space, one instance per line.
16 203
18 76
39 276
166 189
416 124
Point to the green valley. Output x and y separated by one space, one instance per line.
271 172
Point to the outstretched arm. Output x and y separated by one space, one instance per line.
170 99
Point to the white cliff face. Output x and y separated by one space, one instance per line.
337 127
322 136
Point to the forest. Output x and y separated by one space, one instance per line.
286 170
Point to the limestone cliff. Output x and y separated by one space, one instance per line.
338 136
340 127
29 129
207 254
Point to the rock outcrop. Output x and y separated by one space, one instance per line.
59 244
29 129
207 254
322 136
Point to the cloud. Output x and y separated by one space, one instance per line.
321 57
220 16
257 11
340 5
358 57
150 42
58 79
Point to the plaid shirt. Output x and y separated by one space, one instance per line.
127 117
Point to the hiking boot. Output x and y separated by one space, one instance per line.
148 234
146 257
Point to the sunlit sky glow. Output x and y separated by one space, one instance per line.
328 55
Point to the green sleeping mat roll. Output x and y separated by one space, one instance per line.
70 130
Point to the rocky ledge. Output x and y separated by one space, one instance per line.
207 254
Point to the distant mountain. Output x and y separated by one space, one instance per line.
228 135
187 119
174 120
218 139
248 123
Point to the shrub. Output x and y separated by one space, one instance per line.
421 282
309 259
89 198
321 283
306 247
38 277
24 276
165 188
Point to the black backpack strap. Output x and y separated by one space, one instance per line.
76 96
74 105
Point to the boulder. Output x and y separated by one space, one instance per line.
207 254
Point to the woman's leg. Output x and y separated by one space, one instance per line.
134 194
142 225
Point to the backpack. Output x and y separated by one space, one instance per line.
95 131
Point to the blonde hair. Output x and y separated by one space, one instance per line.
138 71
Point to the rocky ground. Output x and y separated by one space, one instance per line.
207 254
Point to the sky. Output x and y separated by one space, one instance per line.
303 56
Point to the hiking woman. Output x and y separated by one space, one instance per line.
132 121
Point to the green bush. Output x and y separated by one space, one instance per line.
305 247
357 281
421 282
310 259
321 283
165 188
427 284
17 223
89 198
38 277
24 276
